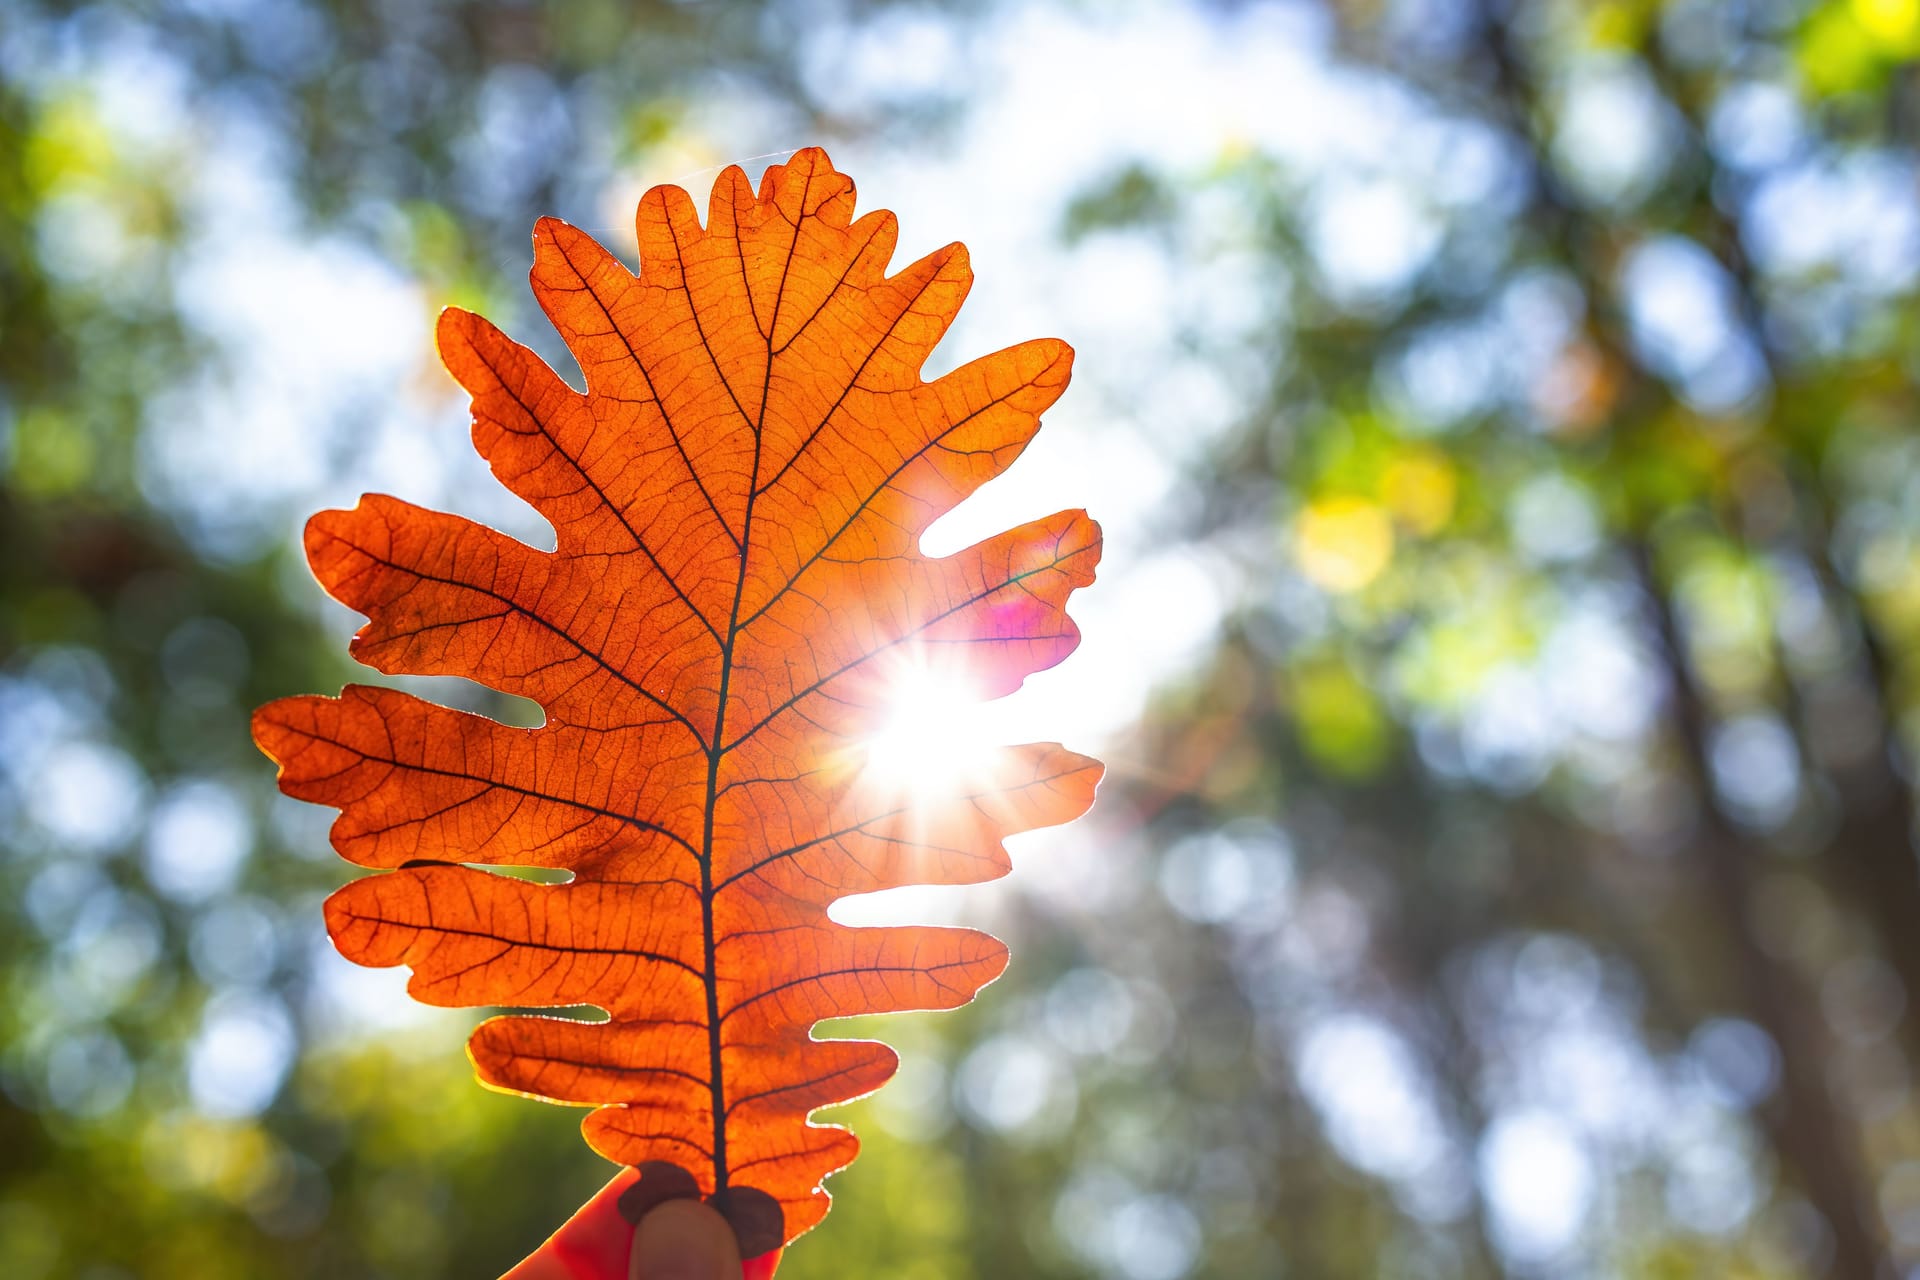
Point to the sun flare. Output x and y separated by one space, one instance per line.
930 739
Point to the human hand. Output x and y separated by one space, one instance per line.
680 1239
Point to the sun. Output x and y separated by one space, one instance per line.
929 746
930 739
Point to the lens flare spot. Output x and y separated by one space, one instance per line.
930 739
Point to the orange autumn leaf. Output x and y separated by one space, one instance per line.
738 498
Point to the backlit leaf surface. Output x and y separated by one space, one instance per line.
738 498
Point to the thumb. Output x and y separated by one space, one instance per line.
684 1240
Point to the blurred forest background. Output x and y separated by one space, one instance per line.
1508 656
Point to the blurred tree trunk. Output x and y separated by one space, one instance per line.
1805 1124
1871 856
1870 851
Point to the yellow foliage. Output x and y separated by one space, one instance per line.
1343 543
229 1160
51 454
69 145
1615 25
1340 723
1894 24
1422 487
1837 53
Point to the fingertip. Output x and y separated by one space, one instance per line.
684 1240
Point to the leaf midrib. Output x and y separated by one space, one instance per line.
716 750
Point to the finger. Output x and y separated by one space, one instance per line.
684 1240
594 1244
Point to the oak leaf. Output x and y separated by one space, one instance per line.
738 498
